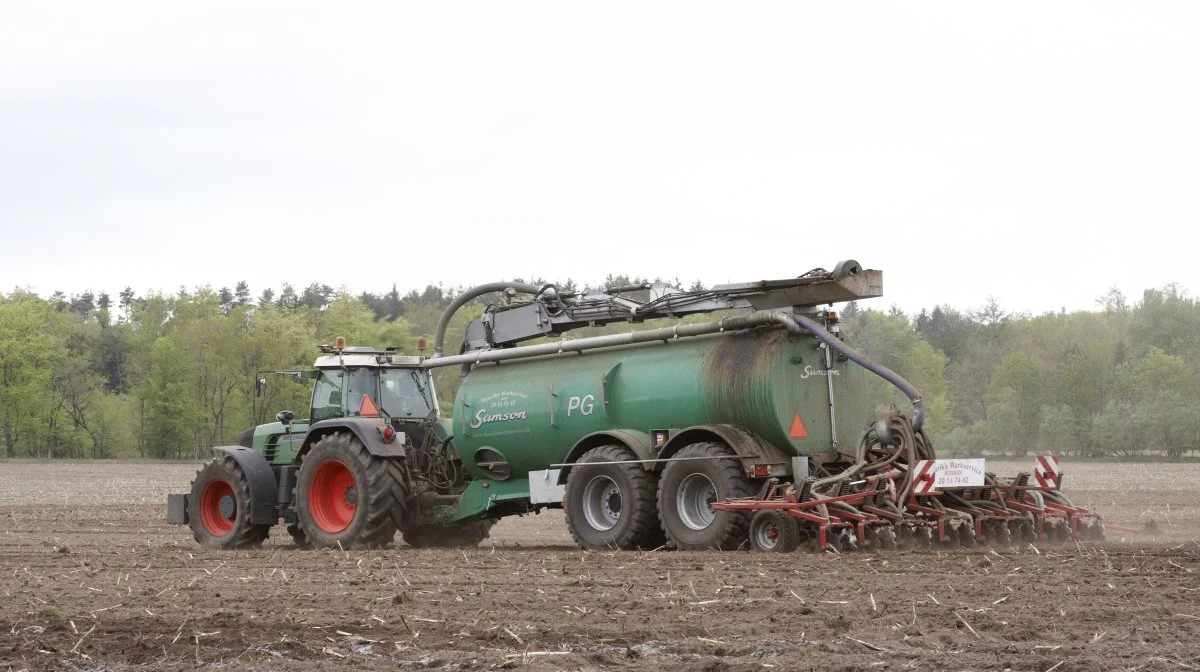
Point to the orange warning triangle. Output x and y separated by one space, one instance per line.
368 409
798 430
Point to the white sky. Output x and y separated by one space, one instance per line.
1037 152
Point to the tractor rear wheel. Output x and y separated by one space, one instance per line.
347 497
220 505
774 532
611 506
456 535
687 490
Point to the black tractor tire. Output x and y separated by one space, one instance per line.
219 507
348 498
456 535
774 532
687 488
612 506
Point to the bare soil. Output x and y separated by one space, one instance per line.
92 578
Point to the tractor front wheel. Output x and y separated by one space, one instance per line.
220 505
347 497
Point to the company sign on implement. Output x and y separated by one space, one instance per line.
957 473
930 476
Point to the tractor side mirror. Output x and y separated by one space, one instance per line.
260 385
285 417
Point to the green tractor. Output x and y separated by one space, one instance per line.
372 458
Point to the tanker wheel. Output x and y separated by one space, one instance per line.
346 497
219 507
456 535
611 505
774 532
687 490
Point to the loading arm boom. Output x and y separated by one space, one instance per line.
551 311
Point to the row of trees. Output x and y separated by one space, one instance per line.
1120 381
172 375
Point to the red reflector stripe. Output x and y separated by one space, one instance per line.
798 430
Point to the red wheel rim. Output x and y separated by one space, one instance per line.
333 497
210 508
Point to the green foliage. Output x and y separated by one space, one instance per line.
172 375
892 340
169 412
1121 381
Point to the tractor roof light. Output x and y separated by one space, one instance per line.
340 343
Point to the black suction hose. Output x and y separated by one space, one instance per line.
474 292
813 327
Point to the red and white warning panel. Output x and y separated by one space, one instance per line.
930 476
1045 472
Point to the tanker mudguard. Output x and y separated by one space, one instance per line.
362 428
749 448
261 479
638 442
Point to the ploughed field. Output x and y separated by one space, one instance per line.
92 578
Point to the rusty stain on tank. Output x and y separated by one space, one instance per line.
737 372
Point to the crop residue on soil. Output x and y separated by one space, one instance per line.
96 580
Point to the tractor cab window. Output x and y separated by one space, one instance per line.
406 393
339 393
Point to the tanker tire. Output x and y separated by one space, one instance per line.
337 470
695 527
220 484
457 535
774 532
594 489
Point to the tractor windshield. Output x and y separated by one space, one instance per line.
405 393
339 393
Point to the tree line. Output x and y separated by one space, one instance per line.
1120 381
171 375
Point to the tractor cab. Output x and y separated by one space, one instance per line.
362 382
353 383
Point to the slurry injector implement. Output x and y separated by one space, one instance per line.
695 435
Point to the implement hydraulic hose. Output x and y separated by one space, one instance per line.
473 293
853 355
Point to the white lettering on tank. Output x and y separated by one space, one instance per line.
586 405
810 371
482 417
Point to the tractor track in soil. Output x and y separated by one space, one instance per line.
91 578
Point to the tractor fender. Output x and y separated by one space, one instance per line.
751 449
638 442
261 478
365 429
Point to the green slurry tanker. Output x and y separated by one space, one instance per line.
754 426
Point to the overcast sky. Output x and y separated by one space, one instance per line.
1035 152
